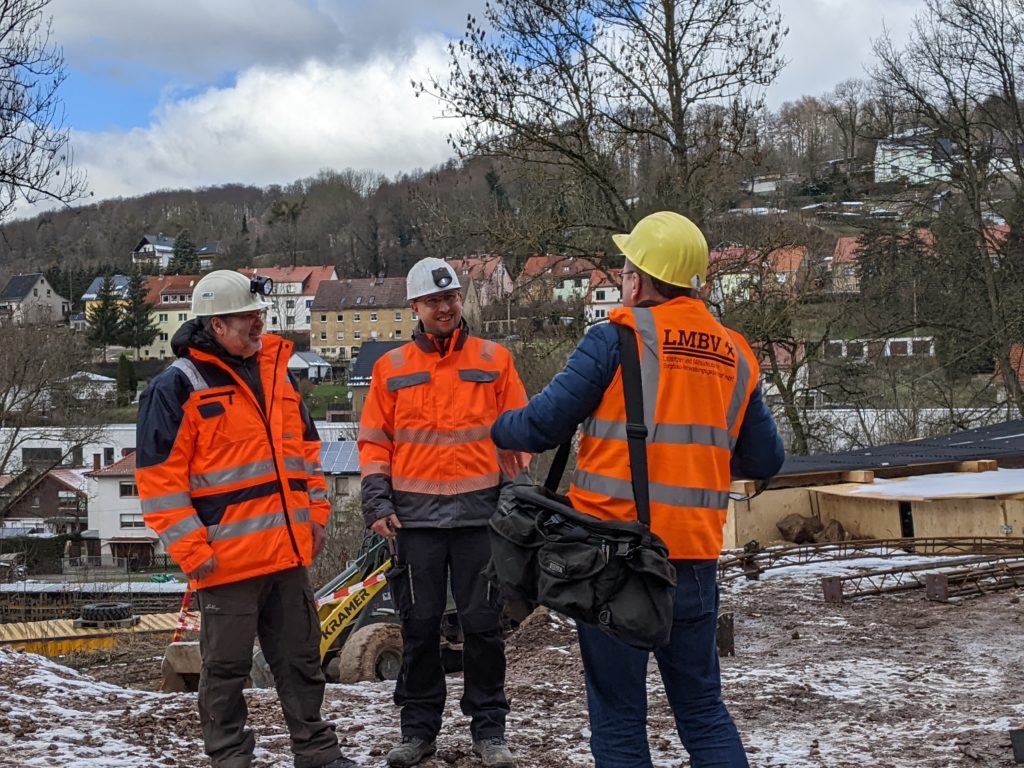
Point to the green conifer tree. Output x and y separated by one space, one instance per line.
104 317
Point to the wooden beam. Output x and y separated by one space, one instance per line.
859 476
981 465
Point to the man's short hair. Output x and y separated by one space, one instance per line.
667 290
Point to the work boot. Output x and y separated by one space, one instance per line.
494 753
410 751
341 762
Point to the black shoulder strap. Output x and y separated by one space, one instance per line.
636 428
558 466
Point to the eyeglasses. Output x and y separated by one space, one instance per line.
626 274
451 298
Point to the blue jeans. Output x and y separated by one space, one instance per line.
616 679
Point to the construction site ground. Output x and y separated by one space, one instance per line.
887 681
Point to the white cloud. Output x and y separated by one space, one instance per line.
274 126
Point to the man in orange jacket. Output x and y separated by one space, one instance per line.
705 419
228 470
430 475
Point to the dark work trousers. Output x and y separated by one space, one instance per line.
279 609
428 558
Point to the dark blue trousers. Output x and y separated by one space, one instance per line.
616 680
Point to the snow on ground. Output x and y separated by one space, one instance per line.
893 680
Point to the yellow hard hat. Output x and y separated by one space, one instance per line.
667 246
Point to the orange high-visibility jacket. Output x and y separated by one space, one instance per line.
425 450
697 377
218 476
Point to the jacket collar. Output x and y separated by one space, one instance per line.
431 344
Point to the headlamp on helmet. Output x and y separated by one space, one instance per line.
261 285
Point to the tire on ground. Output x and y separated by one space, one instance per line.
106 611
373 652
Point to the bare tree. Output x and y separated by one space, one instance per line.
846 105
35 156
630 106
961 75
38 400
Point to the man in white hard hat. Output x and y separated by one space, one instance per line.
228 471
430 479
704 418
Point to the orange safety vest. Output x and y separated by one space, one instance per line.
426 426
697 377
237 484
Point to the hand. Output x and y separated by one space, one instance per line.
203 570
319 537
386 526
513 462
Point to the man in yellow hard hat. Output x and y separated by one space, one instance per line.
705 421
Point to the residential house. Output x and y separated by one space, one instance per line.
340 461
86 386
348 313
362 371
119 286
605 294
154 252
843 265
735 271
55 500
487 274
293 294
115 513
171 299
915 156
54 446
28 299
309 365
553 278
207 252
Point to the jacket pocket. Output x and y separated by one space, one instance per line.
407 380
477 375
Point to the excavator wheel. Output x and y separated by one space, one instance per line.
373 652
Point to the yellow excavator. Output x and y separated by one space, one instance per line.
360 637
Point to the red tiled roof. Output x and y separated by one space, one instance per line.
476 267
123 468
361 293
309 277
176 285
556 266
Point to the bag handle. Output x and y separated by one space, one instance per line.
636 427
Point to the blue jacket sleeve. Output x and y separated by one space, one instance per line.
552 415
759 452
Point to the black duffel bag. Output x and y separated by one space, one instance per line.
613 575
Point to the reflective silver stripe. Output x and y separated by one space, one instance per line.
301 515
650 366
672 434
313 468
396 357
233 475
192 373
375 468
662 493
317 494
181 529
434 437
739 392
487 351
445 487
295 463
247 526
374 435
165 502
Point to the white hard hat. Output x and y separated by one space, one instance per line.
429 276
225 292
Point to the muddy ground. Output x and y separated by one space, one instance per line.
893 680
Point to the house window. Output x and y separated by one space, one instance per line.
398 333
289 304
356 335
373 299
355 317
341 318
108 456
307 319
47 291
132 521
600 313
162 317
373 317
127 489
163 337
290 288
599 295
578 282
398 317
323 318
341 335
921 347
323 335
35 291
183 316
373 334
35 502
273 320
309 303
165 299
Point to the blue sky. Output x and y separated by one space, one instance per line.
201 92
